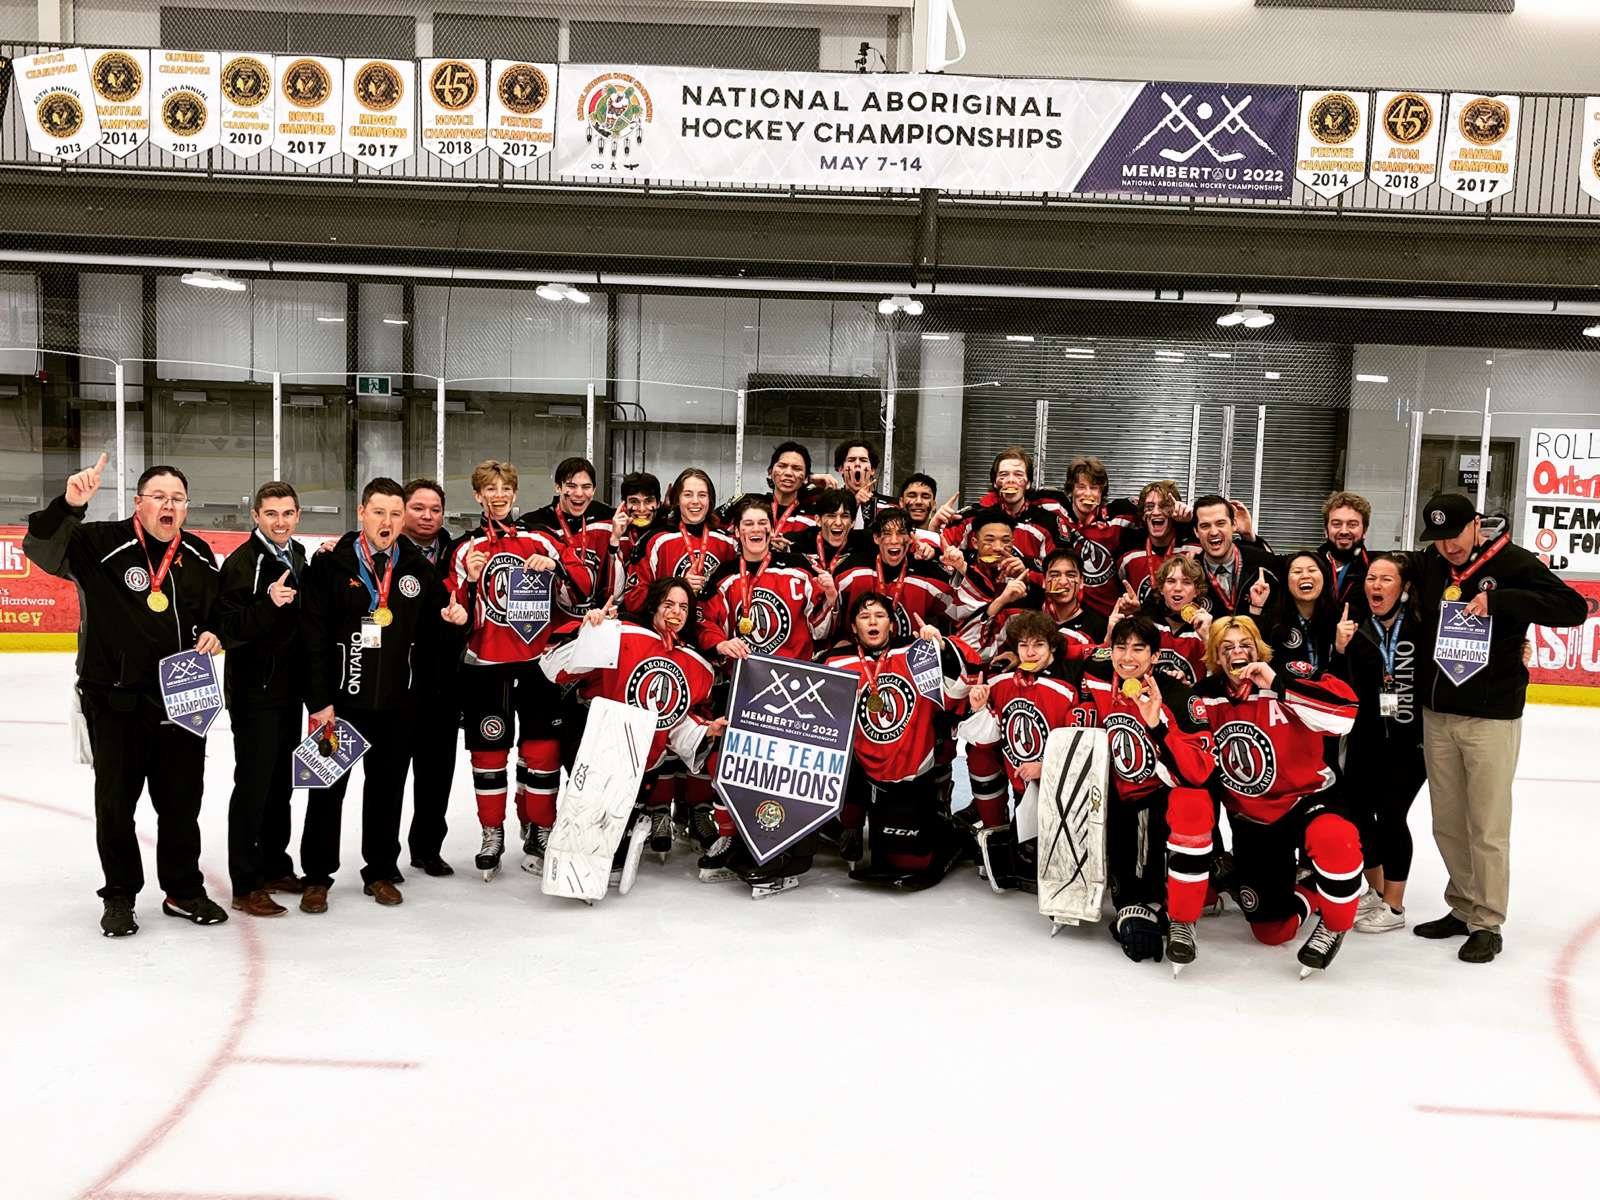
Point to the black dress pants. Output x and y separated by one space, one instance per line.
264 739
384 767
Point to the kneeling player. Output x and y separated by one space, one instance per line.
1269 728
897 776
1160 760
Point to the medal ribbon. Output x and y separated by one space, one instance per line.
893 591
1388 644
822 551
1462 576
697 550
158 575
366 567
572 557
1236 570
748 584
871 668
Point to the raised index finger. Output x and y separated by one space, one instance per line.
100 464
1346 616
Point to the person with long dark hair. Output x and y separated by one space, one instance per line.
1304 629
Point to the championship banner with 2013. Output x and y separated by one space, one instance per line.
783 761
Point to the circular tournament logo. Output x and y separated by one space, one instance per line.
497 572
136 579
887 725
492 729
453 85
378 86
659 683
1246 758
60 115
410 586
616 108
1485 121
183 113
1334 119
523 88
245 82
117 77
1407 118
306 83
1022 732
772 622
1173 663
1436 517
1133 755
769 815
1487 584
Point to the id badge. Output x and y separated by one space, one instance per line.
371 634
1388 704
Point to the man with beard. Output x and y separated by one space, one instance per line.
1032 513
1168 529
1243 579
1099 531
438 732
1345 518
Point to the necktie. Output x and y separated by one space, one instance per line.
380 561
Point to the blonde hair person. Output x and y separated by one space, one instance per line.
1220 627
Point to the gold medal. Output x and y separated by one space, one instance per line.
874 703
1031 664
746 625
1452 592
1188 612
640 522
384 616
1131 688
156 602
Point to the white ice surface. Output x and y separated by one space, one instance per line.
832 1041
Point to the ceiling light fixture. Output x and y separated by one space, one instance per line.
936 337
1373 378
1273 375
395 321
555 292
330 320
220 280
1250 318
1218 354
1592 331
909 305
1019 337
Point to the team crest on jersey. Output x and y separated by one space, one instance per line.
136 579
1487 584
1248 899
1197 710
660 683
410 587
1246 758
1303 669
492 729
1102 654
1294 640
1022 732
899 701
772 621
497 574
1173 663
685 563
591 563
1096 561
1133 755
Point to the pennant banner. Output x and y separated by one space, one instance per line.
1405 141
1332 155
1480 146
190 690
455 108
308 105
521 117
1589 148
185 85
121 81
379 116
247 104
58 103
326 755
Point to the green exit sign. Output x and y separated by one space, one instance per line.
373 385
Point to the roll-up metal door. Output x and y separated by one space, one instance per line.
1131 403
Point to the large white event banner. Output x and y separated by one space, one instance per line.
905 131
58 103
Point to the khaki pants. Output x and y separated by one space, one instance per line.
1470 764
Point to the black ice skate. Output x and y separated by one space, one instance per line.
716 863
660 832
1319 949
490 852
534 841
1180 946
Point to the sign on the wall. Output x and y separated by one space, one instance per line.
1332 155
1589 148
1480 146
309 99
121 80
380 127
1405 141
185 86
522 119
58 104
455 108
248 104
1561 515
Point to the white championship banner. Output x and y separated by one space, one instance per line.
308 100
247 103
184 89
1480 146
455 108
1332 153
910 131
1405 141
522 125
380 122
1589 148
121 80
57 102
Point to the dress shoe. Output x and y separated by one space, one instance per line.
433 865
258 904
1447 926
288 885
384 892
1481 946
314 899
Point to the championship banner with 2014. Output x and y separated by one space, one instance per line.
783 761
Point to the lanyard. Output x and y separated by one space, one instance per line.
1310 640
697 550
747 586
822 551
573 556
1388 644
1457 578
1341 571
158 575
1235 568
893 591
366 567
871 668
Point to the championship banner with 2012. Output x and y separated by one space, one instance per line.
783 761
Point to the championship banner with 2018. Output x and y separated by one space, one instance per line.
783 761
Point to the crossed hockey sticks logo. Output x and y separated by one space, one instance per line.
1177 120
782 686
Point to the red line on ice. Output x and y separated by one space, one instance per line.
120 1195
1526 1114
362 1064
1561 1002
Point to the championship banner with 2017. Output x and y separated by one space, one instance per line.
783 761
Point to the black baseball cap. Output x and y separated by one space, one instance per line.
1445 515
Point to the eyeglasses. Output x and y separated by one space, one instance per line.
161 499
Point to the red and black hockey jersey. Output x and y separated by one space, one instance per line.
1033 534
1136 566
1269 745
982 631
774 606
1100 542
897 738
675 680
581 547
490 637
1022 710
676 550
1177 753
921 593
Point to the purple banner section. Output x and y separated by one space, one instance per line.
1462 647
782 765
327 755
190 690
527 601
922 659
1235 141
